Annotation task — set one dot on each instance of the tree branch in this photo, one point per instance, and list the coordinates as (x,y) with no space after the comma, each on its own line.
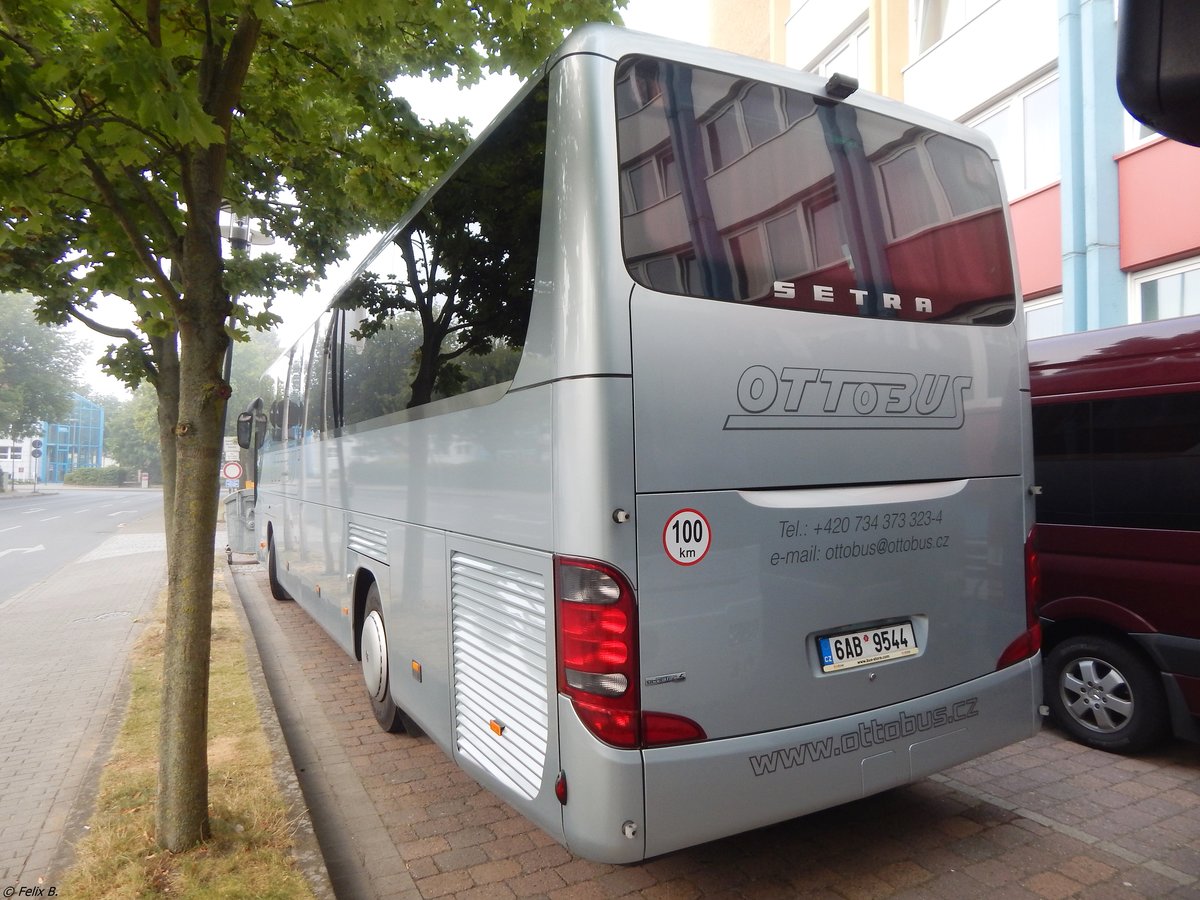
(128,17)
(120,334)
(233,71)
(157,213)
(9,33)
(136,241)
(154,22)
(313,58)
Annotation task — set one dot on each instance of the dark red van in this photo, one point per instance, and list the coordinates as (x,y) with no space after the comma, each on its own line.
(1116,423)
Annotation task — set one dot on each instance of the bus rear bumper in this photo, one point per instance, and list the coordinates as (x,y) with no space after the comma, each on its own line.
(700,792)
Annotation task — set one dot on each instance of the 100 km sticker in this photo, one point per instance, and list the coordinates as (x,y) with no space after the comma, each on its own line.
(687,537)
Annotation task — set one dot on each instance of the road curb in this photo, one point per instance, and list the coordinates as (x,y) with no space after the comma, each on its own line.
(307,849)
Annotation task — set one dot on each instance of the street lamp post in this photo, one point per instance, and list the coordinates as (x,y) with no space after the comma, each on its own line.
(241,236)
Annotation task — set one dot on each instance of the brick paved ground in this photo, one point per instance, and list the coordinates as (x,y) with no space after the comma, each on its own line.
(1044,819)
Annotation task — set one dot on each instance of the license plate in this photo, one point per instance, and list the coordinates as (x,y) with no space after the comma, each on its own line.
(867,647)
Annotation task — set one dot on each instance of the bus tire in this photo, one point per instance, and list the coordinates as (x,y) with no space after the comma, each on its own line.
(277,589)
(373,643)
(1105,695)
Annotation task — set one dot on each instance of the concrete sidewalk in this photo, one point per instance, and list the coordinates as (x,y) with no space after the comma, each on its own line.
(1045,818)
(66,644)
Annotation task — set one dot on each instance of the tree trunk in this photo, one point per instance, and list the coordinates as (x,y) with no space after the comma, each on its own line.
(182,809)
(166,386)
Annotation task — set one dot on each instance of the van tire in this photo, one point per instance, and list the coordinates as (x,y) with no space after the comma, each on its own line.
(1105,695)
(375,669)
(277,590)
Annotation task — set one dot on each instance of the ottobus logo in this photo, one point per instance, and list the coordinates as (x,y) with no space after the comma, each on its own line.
(847,398)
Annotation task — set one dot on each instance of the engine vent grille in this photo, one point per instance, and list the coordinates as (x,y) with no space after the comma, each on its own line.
(501,703)
(369,542)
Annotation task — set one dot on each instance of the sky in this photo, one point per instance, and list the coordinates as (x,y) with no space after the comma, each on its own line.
(685,20)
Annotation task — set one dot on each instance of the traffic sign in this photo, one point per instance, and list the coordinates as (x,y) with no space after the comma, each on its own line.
(232,470)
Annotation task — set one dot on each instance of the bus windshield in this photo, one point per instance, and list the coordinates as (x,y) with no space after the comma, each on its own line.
(737,190)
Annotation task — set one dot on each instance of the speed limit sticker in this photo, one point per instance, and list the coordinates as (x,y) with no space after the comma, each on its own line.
(686,537)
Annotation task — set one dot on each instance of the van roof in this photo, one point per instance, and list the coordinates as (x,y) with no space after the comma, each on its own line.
(1148,354)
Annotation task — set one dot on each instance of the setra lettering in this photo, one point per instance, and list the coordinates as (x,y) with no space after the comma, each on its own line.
(827,293)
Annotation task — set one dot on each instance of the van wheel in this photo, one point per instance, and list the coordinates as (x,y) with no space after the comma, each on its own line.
(373,641)
(1105,695)
(277,590)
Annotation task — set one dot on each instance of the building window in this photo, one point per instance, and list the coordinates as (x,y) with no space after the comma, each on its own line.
(1137,133)
(1166,292)
(1044,317)
(639,87)
(851,57)
(749,264)
(653,181)
(724,139)
(758,114)
(1024,128)
(910,206)
(934,20)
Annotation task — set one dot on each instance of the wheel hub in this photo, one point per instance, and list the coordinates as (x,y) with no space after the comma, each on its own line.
(1097,695)
(374,656)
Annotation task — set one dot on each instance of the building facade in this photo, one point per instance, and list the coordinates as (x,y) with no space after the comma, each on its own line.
(77,443)
(1104,211)
(16,461)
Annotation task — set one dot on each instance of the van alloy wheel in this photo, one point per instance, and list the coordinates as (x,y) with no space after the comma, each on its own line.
(1105,695)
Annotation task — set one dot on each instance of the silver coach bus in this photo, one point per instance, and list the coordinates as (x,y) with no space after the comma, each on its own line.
(669,464)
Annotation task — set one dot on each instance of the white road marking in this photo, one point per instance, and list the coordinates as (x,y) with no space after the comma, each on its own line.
(25,550)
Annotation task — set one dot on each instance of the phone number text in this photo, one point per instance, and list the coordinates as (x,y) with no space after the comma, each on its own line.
(861,524)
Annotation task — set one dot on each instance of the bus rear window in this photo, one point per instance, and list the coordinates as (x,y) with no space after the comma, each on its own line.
(748,192)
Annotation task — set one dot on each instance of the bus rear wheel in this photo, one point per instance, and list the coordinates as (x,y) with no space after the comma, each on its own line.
(1105,695)
(373,641)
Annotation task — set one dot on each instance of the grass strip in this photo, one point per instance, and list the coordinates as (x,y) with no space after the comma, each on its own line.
(250,851)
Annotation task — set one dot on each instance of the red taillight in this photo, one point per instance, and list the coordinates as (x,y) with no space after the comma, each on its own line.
(1033,578)
(597,659)
(597,649)
(662,729)
(1029,642)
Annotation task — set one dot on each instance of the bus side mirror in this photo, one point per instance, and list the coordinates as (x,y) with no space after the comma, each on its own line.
(1158,65)
(251,428)
(245,429)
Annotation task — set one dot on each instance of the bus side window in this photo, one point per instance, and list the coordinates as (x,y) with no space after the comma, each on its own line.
(296,381)
(316,393)
(275,417)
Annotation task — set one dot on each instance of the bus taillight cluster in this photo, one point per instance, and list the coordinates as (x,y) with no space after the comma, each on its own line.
(597,659)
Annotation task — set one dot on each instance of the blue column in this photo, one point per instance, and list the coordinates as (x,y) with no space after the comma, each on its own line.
(1094,292)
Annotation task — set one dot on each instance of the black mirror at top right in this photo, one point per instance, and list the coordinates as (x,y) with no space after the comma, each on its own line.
(1158,65)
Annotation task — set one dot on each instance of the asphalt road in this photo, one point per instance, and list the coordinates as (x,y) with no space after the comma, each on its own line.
(80,571)
(42,532)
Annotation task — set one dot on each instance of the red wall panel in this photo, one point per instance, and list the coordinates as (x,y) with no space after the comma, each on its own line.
(1159,185)
(1037,233)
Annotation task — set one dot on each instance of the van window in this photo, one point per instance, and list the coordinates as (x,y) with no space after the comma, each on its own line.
(1129,462)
